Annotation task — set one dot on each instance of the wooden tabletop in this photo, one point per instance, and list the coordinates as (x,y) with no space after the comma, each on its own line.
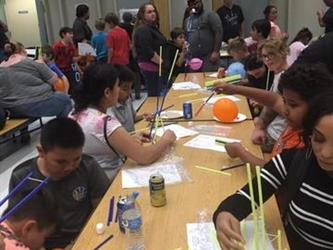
(165,227)
(12,124)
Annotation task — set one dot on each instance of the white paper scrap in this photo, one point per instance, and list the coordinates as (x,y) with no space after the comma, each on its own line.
(139,177)
(86,49)
(208,142)
(185,86)
(213,75)
(179,131)
(201,236)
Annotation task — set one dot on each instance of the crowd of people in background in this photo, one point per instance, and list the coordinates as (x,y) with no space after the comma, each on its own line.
(83,149)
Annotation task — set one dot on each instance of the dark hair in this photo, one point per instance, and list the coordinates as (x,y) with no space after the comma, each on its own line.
(127,17)
(304,33)
(48,51)
(319,107)
(268,9)
(262,26)
(41,207)
(9,49)
(253,62)
(100,24)
(308,80)
(63,133)
(96,78)
(81,10)
(176,32)
(111,18)
(125,74)
(65,30)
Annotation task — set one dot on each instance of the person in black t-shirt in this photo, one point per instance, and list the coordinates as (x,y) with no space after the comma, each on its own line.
(76,181)
(326,20)
(232,19)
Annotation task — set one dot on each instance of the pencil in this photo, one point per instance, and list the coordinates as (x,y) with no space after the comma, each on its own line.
(233,166)
(103,242)
(202,105)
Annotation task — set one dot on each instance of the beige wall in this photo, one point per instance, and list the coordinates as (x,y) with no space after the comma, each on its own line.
(22,21)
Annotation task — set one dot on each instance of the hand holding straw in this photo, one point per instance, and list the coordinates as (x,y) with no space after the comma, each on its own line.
(261,208)
(201,107)
(103,242)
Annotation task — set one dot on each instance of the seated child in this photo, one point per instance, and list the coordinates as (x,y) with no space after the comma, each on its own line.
(307,174)
(98,40)
(62,84)
(30,224)
(76,182)
(299,84)
(124,110)
(260,32)
(237,49)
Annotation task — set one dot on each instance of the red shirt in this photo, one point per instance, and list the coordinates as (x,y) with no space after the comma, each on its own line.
(119,42)
(63,55)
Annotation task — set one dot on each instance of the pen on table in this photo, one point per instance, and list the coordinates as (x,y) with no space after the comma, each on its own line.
(103,242)
(202,105)
(233,166)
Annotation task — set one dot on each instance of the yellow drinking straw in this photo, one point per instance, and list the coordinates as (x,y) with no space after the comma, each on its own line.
(173,65)
(253,207)
(213,170)
(261,207)
(279,240)
(188,95)
(160,64)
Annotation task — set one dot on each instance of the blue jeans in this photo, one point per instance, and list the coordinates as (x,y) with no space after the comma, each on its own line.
(156,86)
(57,104)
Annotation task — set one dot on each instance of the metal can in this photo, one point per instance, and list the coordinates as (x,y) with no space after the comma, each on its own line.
(122,206)
(187,110)
(157,190)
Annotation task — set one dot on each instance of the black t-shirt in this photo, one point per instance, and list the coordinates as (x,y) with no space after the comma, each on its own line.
(74,195)
(170,51)
(232,20)
(262,81)
(328,20)
(128,27)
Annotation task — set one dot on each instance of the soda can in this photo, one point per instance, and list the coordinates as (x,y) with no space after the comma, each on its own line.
(122,206)
(187,110)
(157,190)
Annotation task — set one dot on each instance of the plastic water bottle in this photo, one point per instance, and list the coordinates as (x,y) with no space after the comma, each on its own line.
(132,221)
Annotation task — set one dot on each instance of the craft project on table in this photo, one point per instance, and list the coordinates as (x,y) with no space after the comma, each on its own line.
(209,142)
(179,131)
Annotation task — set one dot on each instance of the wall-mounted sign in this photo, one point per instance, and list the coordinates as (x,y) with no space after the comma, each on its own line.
(23,12)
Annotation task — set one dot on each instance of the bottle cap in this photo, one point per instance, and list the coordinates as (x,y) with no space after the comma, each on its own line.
(100,228)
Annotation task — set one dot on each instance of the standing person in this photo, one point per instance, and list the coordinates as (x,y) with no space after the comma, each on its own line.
(232,19)
(127,24)
(3,39)
(326,19)
(98,40)
(260,31)
(81,29)
(204,34)
(271,14)
(147,42)
(118,42)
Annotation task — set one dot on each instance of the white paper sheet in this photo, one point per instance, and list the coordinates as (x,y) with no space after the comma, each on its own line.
(179,131)
(201,236)
(219,97)
(86,49)
(139,177)
(208,142)
(213,75)
(185,86)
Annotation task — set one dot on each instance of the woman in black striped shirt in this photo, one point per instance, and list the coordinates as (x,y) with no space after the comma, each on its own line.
(308,174)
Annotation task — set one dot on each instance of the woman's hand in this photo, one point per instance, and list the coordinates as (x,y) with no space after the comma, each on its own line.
(220,87)
(228,232)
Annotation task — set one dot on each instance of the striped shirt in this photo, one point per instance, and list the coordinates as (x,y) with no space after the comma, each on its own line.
(310,212)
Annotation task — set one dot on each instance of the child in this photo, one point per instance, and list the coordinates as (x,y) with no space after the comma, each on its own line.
(76,182)
(64,56)
(30,224)
(177,42)
(107,140)
(308,175)
(98,40)
(124,110)
(260,30)
(237,49)
(300,42)
(62,84)
(299,84)
(118,42)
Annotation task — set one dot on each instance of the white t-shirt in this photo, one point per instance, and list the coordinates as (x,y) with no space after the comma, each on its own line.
(92,123)
(278,125)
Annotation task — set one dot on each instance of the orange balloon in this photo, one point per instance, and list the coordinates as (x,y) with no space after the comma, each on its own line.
(59,85)
(225,110)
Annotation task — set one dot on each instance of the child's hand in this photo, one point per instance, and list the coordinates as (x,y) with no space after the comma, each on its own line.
(234,149)
(220,87)
(169,136)
(144,137)
(148,117)
(221,72)
(228,232)
(259,136)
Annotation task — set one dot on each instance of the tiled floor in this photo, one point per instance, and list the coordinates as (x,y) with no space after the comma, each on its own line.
(29,151)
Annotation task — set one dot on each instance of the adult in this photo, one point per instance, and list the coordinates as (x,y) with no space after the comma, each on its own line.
(3,39)
(232,19)
(326,19)
(106,140)
(271,14)
(26,88)
(81,29)
(260,30)
(204,34)
(147,42)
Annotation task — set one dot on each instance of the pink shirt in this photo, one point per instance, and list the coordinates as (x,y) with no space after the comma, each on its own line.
(11,241)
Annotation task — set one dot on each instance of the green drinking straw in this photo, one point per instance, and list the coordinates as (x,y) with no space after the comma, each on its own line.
(249,177)
(279,240)
(261,207)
